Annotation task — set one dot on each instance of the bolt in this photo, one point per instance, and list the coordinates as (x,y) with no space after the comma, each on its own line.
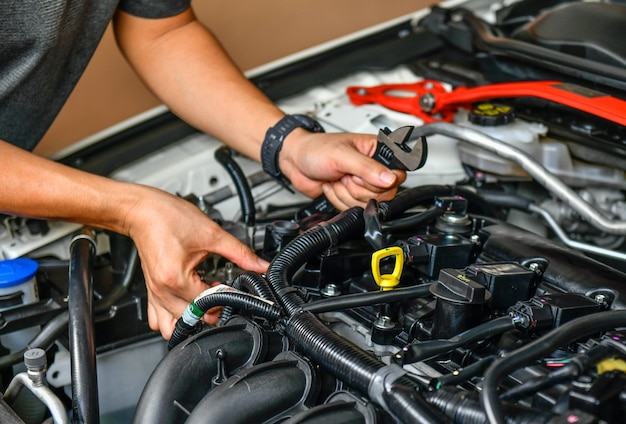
(229,269)
(427,102)
(600,298)
(331,290)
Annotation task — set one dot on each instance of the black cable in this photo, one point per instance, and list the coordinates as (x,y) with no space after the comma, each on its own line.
(246,302)
(357,300)
(82,344)
(567,333)
(464,374)
(422,351)
(571,370)
(250,282)
(243,301)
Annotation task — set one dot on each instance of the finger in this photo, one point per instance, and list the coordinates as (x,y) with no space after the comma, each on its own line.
(368,170)
(211,316)
(348,191)
(234,250)
(166,307)
(332,193)
(400,178)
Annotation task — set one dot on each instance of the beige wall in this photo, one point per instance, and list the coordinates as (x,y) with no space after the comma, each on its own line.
(253,31)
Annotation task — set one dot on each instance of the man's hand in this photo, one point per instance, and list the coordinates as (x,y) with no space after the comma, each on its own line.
(338,165)
(173,236)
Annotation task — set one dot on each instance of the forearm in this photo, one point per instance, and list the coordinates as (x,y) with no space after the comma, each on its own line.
(36,187)
(185,66)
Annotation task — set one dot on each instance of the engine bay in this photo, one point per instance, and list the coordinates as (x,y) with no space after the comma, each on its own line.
(490,289)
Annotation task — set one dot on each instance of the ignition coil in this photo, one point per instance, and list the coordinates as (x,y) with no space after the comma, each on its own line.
(543,313)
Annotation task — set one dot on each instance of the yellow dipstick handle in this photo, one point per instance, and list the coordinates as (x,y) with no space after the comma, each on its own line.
(387,281)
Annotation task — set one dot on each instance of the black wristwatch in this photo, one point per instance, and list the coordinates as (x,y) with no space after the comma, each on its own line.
(273,142)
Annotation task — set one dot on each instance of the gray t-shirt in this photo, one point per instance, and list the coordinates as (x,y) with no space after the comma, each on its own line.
(45,46)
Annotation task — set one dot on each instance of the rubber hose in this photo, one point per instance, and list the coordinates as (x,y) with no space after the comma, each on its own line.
(567,333)
(416,196)
(250,282)
(463,407)
(506,200)
(285,264)
(422,351)
(413,220)
(348,362)
(409,406)
(358,300)
(411,197)
(243,301)
(82,344)
(224,156)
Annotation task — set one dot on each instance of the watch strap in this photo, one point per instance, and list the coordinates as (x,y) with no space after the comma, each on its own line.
(273,142)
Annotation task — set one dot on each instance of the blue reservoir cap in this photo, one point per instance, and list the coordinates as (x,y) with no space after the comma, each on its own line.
(17,271)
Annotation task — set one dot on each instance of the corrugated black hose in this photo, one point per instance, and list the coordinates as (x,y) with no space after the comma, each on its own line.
(250,282)
(340,357)
(187,324)
(342,227)
(463,407)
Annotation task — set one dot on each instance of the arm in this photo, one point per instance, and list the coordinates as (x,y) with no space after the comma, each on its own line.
(171,234)
(185,66)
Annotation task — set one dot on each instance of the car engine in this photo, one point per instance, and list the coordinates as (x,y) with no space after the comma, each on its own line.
(491,288)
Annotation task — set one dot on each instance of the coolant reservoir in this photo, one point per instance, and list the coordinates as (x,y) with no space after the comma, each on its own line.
(18,287)
(498,121)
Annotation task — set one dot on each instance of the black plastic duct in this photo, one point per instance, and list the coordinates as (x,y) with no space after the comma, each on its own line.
(337,412)
(184,376)
(268,391)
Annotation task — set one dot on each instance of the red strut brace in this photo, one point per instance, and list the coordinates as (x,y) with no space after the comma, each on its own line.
(430,101)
